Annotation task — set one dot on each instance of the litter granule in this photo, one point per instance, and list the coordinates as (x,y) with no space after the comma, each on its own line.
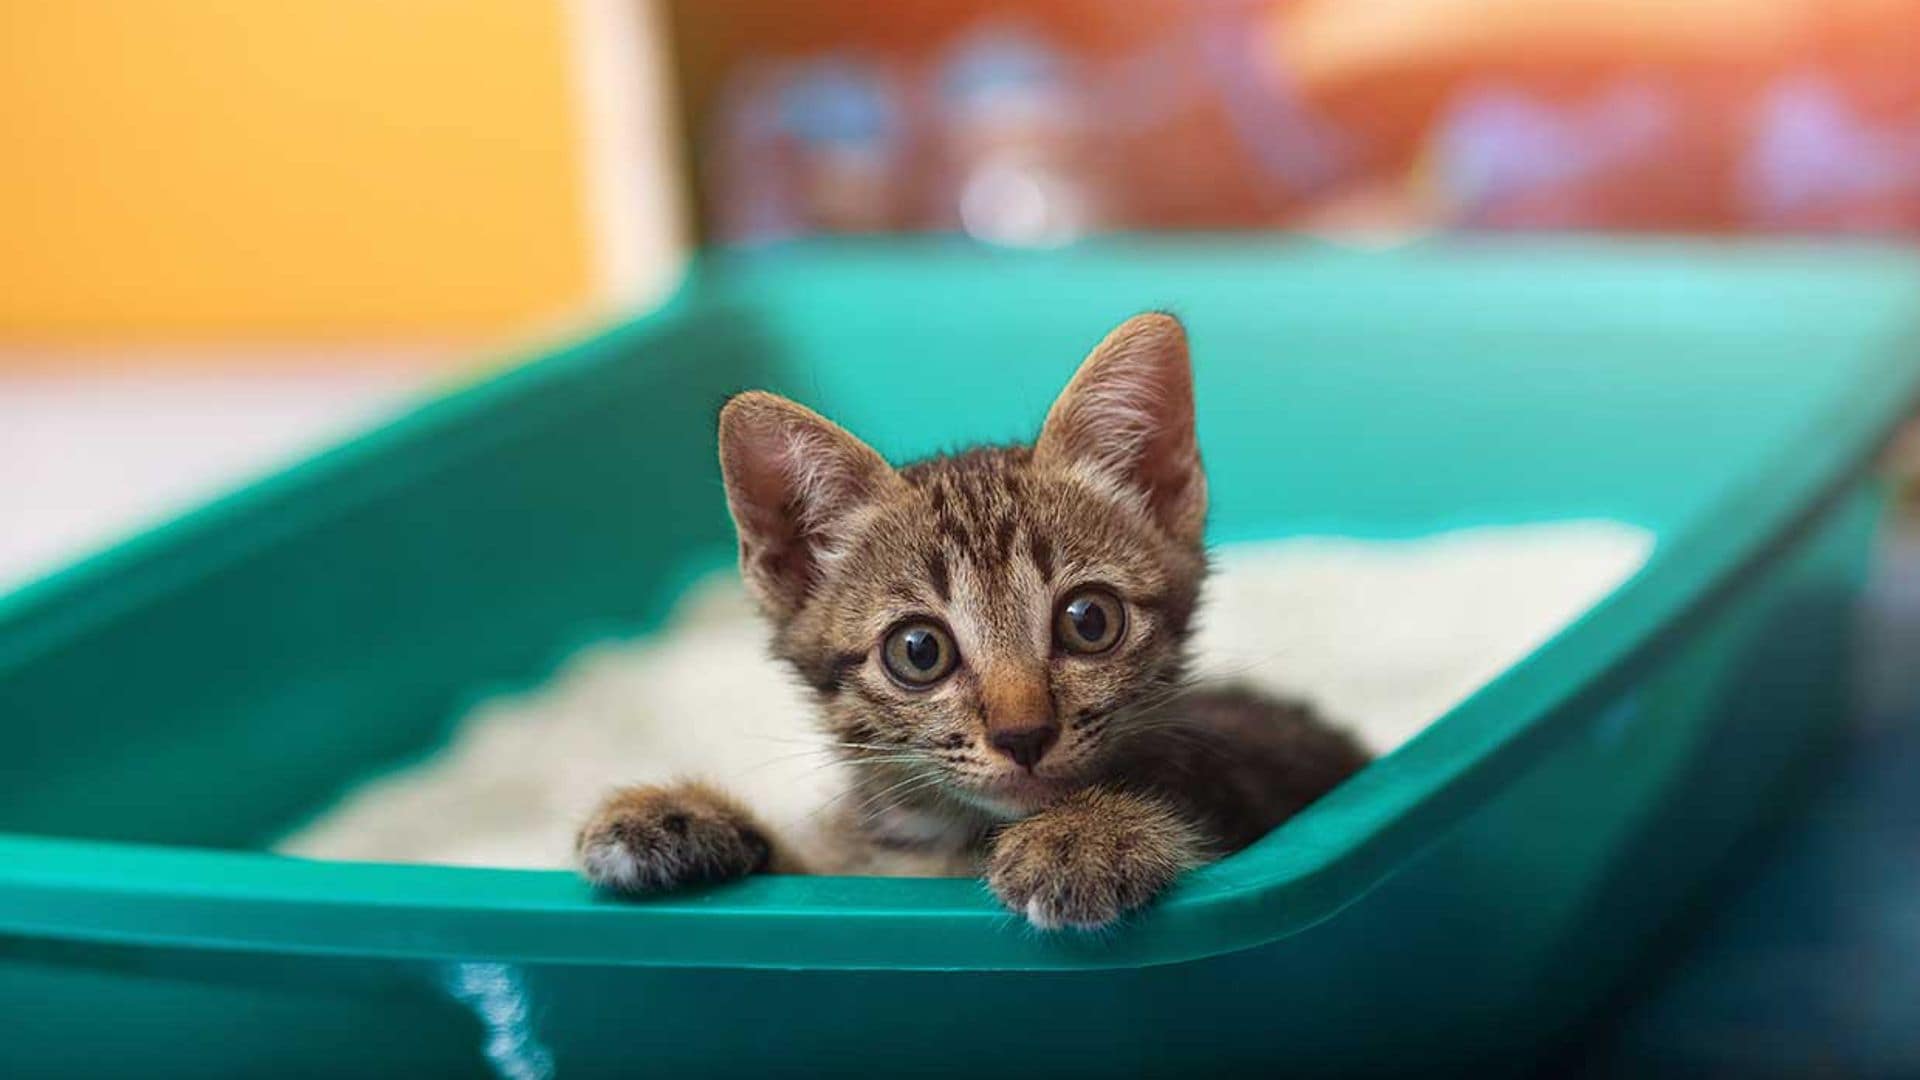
(1383,636)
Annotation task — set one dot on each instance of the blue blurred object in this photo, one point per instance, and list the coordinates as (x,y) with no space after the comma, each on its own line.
(1815,164)
(1277,128)
(1015,166)
(1505,156)
(821,144)
(998,63)
(840,101)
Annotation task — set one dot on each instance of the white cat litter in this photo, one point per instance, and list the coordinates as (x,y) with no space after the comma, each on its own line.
(1383,636)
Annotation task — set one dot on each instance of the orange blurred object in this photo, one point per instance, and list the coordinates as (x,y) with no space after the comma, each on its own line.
(1332,45)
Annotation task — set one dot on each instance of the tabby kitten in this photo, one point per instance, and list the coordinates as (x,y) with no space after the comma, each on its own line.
(996,643)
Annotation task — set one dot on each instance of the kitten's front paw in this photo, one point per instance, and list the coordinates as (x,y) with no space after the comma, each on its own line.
(1089,860)
(654,839)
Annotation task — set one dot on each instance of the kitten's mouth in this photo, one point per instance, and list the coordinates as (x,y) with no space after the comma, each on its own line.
(1024,792)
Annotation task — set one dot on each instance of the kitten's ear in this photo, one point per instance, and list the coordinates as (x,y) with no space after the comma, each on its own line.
(794,481)
(1128,417)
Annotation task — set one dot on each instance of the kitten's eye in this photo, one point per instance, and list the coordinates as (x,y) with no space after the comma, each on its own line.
(918,654)
(1090,621)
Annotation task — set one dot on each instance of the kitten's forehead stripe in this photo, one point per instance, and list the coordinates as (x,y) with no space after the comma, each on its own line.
(1003,535)
(938,575)
(1040,549)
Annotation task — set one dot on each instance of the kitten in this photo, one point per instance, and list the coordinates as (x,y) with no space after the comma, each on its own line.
(996,641)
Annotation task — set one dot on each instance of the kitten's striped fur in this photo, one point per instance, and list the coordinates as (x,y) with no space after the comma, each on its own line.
(1139,775)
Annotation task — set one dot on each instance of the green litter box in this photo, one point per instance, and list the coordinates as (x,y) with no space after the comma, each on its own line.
(172,706)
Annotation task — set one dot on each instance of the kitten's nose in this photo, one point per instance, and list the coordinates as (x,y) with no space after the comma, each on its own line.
(1026,745)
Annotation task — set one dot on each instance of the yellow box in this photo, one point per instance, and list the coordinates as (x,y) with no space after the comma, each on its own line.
(186,169)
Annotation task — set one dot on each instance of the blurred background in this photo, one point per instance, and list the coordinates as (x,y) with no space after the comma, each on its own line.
(231,232)
(234,231)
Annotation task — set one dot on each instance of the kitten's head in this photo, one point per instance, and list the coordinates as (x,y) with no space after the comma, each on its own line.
(987,624)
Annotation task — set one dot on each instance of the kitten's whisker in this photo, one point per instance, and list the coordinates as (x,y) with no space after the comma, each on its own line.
(854,788)
(900,798)
(832,744)
(1235,669)
(1187,685)
(917,778)
(1191,737)
(1153,701)
(816,751)
(822,765)
(860,809)
(832,757)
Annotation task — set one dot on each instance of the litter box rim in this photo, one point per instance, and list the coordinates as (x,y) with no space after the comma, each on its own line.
(1303,873)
